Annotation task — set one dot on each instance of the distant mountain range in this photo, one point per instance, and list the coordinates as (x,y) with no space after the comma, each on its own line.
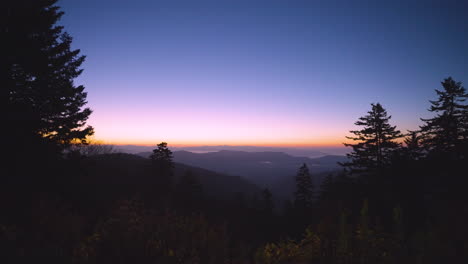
(311,152)
(268,169)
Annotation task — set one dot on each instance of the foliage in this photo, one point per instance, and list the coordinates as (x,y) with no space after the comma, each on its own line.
(303,196)
(413,149)
(306,250)
(376,142)
(43,103)
(133,234)
(447,131)
(162,158)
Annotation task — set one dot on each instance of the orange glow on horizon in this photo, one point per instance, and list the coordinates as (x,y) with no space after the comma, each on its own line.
(292,144)
(200,127)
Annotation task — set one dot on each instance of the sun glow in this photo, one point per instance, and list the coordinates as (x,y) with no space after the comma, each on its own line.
(195,129)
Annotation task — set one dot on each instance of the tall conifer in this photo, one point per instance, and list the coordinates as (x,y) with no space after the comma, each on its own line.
(303,197)
(375,142)
(448,130)
(43,103)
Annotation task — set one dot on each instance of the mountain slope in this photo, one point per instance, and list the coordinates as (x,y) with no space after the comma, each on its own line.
(262,168)
(311,152)
(129,172)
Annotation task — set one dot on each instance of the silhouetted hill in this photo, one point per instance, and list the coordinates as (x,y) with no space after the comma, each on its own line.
(218,184)
(262,168)
(297,152)
(127,172)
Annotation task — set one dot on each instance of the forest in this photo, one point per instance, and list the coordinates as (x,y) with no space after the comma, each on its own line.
(399,197)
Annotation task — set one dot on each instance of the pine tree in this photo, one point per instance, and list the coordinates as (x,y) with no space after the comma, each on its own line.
(163,166)
(448,130)
(326,188)
(44,106)
(412,148)
(376,142)
(162,158)
(303,197)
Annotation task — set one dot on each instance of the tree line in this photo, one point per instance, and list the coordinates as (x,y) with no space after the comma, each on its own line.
(399,199)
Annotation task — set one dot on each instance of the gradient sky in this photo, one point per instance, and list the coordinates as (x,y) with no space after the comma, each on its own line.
(261,72)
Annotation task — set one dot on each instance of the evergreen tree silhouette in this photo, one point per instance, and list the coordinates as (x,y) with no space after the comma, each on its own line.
(164,166)
(412,148)
(162,158)
(44,106)
(326,188)
(303,196)
(447,131)
(376,142)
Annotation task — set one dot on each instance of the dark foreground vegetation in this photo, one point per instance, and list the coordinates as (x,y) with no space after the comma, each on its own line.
(394,202)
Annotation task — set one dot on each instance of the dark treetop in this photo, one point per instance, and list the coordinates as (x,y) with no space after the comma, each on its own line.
(43,103)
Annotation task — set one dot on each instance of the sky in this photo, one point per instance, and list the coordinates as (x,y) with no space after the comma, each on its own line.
(266,73)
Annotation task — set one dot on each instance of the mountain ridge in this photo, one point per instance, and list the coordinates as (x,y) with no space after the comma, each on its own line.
(133,169)
(265,169)
(311,152)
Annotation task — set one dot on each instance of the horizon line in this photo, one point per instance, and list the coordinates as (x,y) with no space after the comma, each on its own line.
(272,145)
